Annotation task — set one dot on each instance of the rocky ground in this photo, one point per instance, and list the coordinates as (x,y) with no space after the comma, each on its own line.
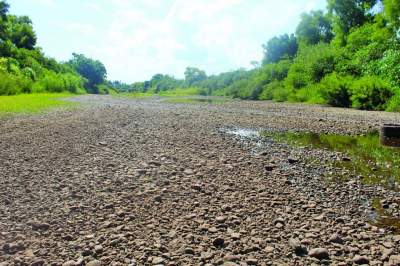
(146,182)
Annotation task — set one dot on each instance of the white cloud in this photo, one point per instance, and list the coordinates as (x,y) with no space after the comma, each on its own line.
(139,38)
(148,37)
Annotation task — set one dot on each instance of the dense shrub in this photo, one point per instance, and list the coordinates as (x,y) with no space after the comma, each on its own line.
(277,71)
(311,65)
(58,82)
(281,94)
(270,89)
(240,89)
(394,103)
(389,67)
(336,90)
(50,82)
(371,93)
(309,94)
(12,84)
(73,83)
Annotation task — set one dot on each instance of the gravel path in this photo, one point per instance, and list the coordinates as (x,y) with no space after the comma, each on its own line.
(145,182)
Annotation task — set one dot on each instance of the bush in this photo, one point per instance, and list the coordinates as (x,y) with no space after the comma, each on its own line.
(12,84)
(268,90)
(394,103)
(309,94)
(102,89)
(371,93)
(336,90)
(57,82)
(50,82)
(73,83)
(311,65)
(239,89)
(389,67)
(281,94)
(277,71)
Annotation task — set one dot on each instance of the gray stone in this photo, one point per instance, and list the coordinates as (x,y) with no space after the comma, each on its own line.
(360,260)
(319,253)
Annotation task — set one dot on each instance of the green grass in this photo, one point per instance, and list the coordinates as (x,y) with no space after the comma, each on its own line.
(32,103)
(134,95)
(377,164)
(181,92)
(178,92)
(197,100)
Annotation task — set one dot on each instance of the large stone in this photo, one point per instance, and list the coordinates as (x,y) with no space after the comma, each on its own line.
(94,263)
(40,226)
(38,262)
(394,260)
(297,248)
(360,260)
(218,242)
(335,238)
(319,253)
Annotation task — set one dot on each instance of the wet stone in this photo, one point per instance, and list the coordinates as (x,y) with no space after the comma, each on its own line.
(218,242)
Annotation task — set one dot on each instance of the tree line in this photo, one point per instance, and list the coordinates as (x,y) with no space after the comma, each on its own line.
(24,68)
(348,56)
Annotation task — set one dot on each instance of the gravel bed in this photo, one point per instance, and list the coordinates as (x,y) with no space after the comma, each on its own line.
(147,182)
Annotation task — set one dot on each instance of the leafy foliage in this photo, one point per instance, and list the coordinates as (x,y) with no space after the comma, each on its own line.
(314,27)
(388,67)
(20,32)
(93,70)
(25,69)
(277,48)
(347,14)
(371,92)
(194,75)
(392,13)
(311,65)
(336,90)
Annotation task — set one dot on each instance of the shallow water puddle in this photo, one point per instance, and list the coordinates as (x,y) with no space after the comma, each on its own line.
(384,217)
(243,132)
(364,155)
(196,100)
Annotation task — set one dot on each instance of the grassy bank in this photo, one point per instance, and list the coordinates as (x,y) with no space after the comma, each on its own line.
(177,92)
(32,103)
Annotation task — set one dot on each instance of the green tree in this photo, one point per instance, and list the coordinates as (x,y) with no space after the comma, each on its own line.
(347,14)
(311,65)
(93,70)
(392,12)
(314,27)
(20,32)
(3,18)
(193,75)
(4,6)
(280,47)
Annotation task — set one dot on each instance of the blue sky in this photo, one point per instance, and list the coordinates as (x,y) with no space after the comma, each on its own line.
(136,39)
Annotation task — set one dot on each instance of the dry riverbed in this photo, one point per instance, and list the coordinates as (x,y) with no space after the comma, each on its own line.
(155,182)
